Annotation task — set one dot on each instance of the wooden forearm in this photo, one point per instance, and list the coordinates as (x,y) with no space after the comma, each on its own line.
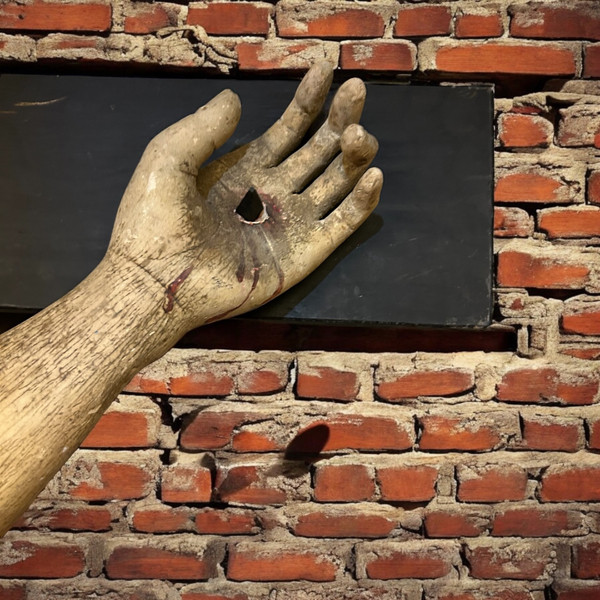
(199,261)
(61,369)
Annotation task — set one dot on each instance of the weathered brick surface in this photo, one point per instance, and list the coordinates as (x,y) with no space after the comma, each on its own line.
(580,20)
(160,519)
(277,54)
(478,23)
(423,20)
(535,185)
(591,65)
(343,483)
(182,558)
(445,382)
(536,522)
(579,126)
(571,483)
(329,20)
(491,483)
(408,483)
(141,18)
(377,55)
(279,562)
(524,131)
(28,557)
(456,522)
(509,57)
(230,18)
(510,221)
(55,16)
(344,523)
(511,561)
(544,267)
(419,560)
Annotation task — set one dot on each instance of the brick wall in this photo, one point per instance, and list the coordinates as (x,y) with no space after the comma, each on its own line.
(222,475)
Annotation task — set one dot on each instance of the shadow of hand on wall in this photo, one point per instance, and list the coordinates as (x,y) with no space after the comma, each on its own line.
(303,451)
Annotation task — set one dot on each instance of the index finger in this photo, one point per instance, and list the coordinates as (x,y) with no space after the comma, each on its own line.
(287,132)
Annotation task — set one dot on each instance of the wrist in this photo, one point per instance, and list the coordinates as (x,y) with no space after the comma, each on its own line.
(133,306)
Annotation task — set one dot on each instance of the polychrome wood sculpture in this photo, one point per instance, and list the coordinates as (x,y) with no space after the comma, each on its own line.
(180,256)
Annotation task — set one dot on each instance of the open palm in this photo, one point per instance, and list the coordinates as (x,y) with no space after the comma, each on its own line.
(183,223)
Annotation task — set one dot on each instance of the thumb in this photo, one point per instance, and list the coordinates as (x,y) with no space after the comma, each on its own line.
(189,142)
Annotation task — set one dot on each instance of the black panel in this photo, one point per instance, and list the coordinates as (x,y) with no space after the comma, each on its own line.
(69,145)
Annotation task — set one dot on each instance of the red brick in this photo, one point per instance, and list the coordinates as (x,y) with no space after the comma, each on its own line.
(524,269)
(455,433)
(273,55)
(262,381)
(132,562)
(251,441)
(528,385)
(210,430)
(531,188)
(512,222)
(47,561)
(327,383)
(534,522)
(505,57)
(225,522)
(577,222)
(586,560)
(55,16)
(408,483)
(343,483)
(378,55)
(509,562)
(577,591)
(161,520)
(581,20)
(278,562)
(446,382)
(335,20)
(524,131)
(579,126)
(230,18)
(180,484)
(141,383)
(425,562)
(591,61)
(571,483)
(482,24)
(322,524)
(201,384)
(148,18)
(585,353)
(354,432)
(491,483)
(594,429)
(593,187)
(82,518)
(117,481)
(453,524)
(538,385)
(64,41)
(582,392)
(423,20)
(12,591)
(245,484)
(122,429)
(552,433)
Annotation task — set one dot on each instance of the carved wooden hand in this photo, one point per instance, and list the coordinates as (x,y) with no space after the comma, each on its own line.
(181,255)
(178,220)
